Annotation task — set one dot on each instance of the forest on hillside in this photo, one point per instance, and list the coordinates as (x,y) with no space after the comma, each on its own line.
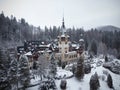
(96,41)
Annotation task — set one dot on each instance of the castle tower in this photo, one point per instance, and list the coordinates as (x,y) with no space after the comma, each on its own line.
(63,42)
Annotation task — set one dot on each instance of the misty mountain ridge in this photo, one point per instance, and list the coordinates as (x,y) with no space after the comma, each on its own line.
(108,28)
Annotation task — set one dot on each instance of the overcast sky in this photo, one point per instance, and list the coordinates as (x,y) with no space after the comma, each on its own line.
(78,13)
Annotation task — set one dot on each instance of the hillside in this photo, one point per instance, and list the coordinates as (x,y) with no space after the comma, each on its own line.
(108,28)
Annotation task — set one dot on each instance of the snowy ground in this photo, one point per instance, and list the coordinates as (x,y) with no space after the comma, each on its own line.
(74,84)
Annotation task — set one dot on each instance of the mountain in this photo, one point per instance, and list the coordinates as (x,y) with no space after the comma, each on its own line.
(108,28)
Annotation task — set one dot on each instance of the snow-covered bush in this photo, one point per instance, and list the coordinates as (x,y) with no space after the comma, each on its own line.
(63,84)
(43,86)
(109,81)
(99,63)
(112,66)
(48,84)
(94,82)
(87,68)
(63,65)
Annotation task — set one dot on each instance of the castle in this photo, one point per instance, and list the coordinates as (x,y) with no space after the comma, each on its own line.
(65,54)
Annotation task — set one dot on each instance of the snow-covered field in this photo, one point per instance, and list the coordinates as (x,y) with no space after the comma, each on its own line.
(74,84)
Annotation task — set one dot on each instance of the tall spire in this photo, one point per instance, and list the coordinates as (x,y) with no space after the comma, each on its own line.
(63,24)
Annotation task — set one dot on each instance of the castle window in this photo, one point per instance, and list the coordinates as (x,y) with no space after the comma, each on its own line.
(65,42)
(62,38)
(70,56)
(66,56)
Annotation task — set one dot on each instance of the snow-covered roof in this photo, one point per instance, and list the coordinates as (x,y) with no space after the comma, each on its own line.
(48,51)
(41,51)
(48,45)
(44,45)
(28,53)
(72,52)
(81,40)
(43,42)
(74,45)
(63,35)
(68,36)
(77,47)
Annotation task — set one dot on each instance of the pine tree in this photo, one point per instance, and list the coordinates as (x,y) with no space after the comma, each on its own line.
(94,47)
(106,59)
(53,68)
(13,71)
(109,81)
(24,70)
(4,66)
(94,82)
(80,68)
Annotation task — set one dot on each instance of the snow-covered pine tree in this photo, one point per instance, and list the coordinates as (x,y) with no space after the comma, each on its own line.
(94,82)
(109,81)
(48,84)
(13,72)
(4,66)
(24,70)
(80,68)
(93,47)
(53,68)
